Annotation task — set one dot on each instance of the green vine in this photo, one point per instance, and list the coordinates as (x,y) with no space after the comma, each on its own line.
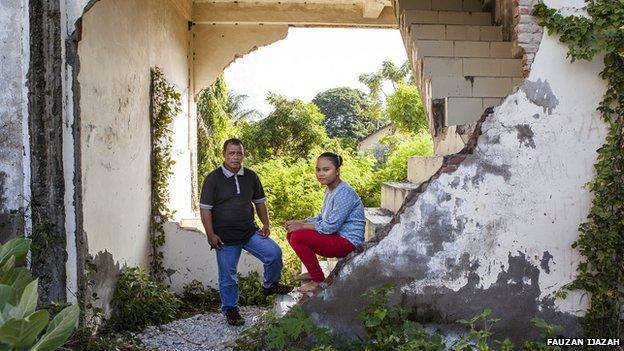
(166,102)
(601,239)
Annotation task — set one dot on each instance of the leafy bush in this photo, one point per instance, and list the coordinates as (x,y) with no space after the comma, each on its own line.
(479,337)
(290,131)
(405,110)
(85,339)
(295,331)
(138,301)
(347,113)
(214,127)
(389,329)
(292,264)
(20,324)
(196,298)
(401,147)
(250,291)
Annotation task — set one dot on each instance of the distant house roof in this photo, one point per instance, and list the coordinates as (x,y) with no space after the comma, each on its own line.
(374,137)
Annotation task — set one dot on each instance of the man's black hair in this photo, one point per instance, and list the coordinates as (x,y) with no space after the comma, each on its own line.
(335,159)
(232,141)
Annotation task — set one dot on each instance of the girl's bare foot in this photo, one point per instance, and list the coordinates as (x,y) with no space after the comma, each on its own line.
(310,287)
(303,277)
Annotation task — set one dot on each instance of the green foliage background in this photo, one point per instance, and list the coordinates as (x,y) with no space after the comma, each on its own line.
(405,110)
(348,113)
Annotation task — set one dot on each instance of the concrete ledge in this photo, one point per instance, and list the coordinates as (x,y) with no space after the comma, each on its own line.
(394,193)
(375,217)
(187,257)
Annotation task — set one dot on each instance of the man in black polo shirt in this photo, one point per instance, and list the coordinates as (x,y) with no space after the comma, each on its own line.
(227,214)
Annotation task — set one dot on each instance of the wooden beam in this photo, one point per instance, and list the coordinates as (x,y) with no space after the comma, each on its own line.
(293,14)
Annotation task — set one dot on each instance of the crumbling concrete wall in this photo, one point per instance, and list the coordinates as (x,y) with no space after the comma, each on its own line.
(187,257)
(14,158)
(121,41)
(494,228)
(215,46)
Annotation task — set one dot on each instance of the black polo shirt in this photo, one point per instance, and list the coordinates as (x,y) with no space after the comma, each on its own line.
(230,198)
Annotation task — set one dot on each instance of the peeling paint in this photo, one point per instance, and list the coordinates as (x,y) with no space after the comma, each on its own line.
(103,277)
(546,257)
(455,183)
(525,135)
(3,177)
(540,93)
(483,168)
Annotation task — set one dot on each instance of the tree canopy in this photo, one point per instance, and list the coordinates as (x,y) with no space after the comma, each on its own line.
(348,113)
(291,130)
(405,110)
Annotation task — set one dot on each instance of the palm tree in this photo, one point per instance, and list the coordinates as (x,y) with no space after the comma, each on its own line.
(235,108)
(374,83)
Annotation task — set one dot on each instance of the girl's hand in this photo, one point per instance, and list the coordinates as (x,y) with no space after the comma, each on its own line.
(291,226)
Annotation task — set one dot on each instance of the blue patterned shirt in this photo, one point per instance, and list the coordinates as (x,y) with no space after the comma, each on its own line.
(342,213)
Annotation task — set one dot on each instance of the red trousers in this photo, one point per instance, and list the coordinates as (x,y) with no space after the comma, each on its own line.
(308,243)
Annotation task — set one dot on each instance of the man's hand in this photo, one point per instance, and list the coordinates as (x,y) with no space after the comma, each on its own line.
(265,231)
(215,241)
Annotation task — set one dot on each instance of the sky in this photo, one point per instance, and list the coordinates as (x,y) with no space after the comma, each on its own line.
(312,60)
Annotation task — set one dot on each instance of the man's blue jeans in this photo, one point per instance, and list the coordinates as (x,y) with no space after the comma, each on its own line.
(264,249)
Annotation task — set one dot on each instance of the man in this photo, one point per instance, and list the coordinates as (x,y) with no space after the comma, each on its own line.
(227,214)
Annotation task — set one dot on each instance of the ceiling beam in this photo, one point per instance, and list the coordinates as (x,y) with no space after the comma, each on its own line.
(184,7)
(295,14)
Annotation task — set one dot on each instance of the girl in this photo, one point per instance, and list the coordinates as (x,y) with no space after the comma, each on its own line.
(336,231)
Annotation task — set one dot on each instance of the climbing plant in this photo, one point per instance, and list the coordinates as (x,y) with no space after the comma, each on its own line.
(601,239)
(166,102)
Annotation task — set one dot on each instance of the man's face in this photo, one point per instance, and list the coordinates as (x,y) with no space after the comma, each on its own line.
(233,157)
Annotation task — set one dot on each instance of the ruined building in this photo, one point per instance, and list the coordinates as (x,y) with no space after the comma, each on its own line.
(490,227)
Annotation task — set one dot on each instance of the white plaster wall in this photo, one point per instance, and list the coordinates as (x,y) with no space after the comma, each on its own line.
(14,165)
(188,257)
(522,192)
(121,41)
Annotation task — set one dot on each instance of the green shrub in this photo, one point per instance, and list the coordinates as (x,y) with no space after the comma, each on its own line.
(479,333)
(85,339)
(295,331)
(21,325)
(401,146)
(390,330)
(196,298)
(292,264)
(405,110)
(138,301)
(250,291)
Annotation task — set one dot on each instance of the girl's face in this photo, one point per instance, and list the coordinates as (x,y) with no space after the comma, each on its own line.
(326,172)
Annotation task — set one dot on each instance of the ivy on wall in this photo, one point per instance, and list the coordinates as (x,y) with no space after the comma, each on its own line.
(601,239)
(165,105)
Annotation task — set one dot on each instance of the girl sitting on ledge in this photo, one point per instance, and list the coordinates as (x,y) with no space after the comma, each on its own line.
(336,231)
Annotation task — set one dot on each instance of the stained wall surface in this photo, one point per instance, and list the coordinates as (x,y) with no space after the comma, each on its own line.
(14,179)
(497,232)
(121,41)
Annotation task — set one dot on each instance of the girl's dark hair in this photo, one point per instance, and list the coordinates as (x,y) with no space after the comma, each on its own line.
(335,159)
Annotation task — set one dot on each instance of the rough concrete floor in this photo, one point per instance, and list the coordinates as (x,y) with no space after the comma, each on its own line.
(199,333)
